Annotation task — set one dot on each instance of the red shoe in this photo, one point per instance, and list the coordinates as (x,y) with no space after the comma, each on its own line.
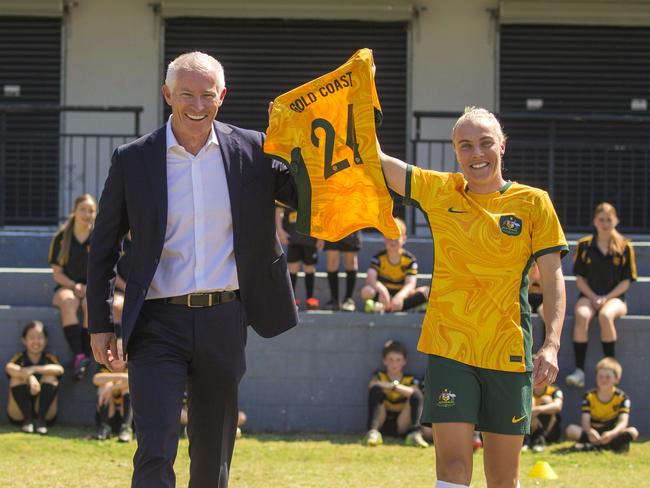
(312,303)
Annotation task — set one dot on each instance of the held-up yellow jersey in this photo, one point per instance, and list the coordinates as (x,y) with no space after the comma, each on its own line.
(478,311)
(324,131)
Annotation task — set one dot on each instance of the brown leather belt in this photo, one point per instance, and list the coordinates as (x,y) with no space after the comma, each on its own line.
(198,300)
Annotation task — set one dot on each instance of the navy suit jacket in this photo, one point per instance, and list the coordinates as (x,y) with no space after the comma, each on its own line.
(135,198)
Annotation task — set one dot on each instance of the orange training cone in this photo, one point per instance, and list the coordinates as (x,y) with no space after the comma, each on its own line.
(543,470)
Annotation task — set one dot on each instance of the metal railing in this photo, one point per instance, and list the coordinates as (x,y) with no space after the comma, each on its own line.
(580,159)
(44,167)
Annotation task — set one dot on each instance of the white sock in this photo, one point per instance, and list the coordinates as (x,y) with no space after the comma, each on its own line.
(518,485)
(447,484)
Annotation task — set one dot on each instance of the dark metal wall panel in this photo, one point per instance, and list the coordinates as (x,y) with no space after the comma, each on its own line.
(30,56)
(574,68)
(582,161)
(265,58)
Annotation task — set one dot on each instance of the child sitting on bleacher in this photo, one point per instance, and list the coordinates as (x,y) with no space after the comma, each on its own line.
(391,278)
(33,382)
(395,400)
(605,413)
(301,250)
(68,256)
(545,418)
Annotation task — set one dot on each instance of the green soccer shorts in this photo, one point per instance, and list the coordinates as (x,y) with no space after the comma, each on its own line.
(494,401)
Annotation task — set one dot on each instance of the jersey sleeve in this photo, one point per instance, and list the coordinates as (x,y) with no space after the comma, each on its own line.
(422,186)
(625,405)
(547,234)
(412,267)
(580,260)
(52,358)
(55,248)
(586,403)
(278,143)
(557,394)
(629,266)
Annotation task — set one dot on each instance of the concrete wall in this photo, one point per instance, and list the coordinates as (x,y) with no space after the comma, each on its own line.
(314,378)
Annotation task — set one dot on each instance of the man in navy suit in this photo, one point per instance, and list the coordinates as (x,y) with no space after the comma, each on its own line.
(198,197)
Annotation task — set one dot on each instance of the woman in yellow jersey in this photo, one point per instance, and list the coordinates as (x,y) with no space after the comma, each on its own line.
(486,234)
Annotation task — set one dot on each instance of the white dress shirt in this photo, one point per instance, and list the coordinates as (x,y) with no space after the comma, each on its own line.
(198,253)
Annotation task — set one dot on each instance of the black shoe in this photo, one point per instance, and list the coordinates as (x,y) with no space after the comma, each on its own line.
(332,305)
(103,432)
(81,368)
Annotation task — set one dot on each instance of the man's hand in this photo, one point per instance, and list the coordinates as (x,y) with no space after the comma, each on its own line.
(102,343)
(545,366)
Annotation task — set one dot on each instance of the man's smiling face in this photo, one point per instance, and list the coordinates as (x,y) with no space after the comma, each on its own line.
(195,98)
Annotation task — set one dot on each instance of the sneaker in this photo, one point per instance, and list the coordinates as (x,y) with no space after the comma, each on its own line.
(538,444)
(81,363)
(477,441)
(312,303)
(584,447)
(348,305)
(371,306)
(125,434)
(415,439)
(373,438)
(238,434)
(577,378)
(103,432)
(28,428)
(525,448)
(41,428)
(333,306)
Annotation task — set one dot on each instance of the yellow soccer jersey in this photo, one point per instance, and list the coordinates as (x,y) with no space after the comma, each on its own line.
(392,276)
(478,311)
(551,391)
(394,401)
(324,131)
(604,415)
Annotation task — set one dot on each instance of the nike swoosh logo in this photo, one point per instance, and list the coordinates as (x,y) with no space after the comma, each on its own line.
(516,420)
(453,210)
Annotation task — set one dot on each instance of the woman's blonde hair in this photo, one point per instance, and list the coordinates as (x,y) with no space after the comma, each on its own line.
(476,113)
(68,227)
(617,242)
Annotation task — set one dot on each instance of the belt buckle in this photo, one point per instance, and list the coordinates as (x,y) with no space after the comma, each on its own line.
(189,300)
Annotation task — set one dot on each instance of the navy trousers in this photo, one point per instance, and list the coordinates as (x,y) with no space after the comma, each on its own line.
(174,347)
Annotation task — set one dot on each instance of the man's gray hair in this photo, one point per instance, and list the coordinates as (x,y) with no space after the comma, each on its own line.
(195,61)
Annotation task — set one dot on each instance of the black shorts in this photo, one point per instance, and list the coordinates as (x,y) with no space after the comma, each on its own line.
(351,243)
(390,424)
(535,300)
(301,253)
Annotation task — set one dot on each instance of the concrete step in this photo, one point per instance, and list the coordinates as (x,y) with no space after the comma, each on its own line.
(314,377)
(28,248)
(35,286)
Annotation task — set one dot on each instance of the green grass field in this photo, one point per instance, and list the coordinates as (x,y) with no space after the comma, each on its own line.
(69,458)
